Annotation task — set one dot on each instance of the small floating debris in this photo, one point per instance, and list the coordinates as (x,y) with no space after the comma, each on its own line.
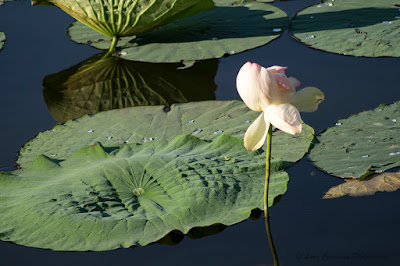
(214,39)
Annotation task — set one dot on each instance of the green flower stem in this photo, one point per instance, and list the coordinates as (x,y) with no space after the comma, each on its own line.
(267,173)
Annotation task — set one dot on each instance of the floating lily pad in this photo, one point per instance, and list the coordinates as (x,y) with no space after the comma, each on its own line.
(2,39)
(362,144)
(358,27)
(101,198)
(127,17)
(101,84)
(226,29)
(205,120)
(386,182)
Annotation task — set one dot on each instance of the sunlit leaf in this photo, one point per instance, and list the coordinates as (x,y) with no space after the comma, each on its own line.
(106,198)
(111,83)
(358,27)
(230,28)
(2,39)
(386,182)
(128,17)
(205,120)
(362,144)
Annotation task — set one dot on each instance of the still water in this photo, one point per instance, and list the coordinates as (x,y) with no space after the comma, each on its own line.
(307,230)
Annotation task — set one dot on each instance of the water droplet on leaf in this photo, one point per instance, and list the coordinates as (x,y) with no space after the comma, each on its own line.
(90,131)
(191,121)
(365,156)
(218,132)
(325,4)
(197,131)
(310,37)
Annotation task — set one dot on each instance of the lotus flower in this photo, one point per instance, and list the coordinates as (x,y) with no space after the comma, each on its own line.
(269,90)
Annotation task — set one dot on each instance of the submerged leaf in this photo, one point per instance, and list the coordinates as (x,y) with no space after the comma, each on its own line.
(361,144)
(388,182)
(101,84)
(102,199)
(205,120)
(128,17)
(368,28)
(231,27)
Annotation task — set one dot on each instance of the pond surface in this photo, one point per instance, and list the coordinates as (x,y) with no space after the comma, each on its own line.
(307,230)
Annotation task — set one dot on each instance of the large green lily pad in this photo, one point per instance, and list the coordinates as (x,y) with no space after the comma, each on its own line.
(361,144)
(101,198)
(128,17)
(368,28)
(2,39)
(101,84)
(205,120)
(229,28)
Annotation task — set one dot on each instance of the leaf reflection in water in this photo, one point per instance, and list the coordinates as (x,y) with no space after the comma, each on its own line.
(97,84)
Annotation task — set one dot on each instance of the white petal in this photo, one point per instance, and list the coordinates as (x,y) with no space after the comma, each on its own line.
(307,99)
(256,133)
(285,117)
(248,85)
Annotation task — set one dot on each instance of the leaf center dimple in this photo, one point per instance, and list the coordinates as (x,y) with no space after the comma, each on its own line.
(138,191)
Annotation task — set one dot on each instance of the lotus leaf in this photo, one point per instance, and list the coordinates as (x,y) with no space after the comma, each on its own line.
(231,27)
(102,198)
(205,120)
(361,144)
(388,182)
(2,39)
(358,27)
(111,83)
(128,17)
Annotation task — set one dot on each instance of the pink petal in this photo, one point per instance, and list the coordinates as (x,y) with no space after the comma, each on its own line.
(256,133)
(277,69)
(285,117)
(295,82)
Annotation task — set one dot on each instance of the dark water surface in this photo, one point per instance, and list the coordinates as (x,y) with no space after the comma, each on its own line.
(307,230)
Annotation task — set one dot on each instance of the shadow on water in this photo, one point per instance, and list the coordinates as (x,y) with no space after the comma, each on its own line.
(175,237)
(344,19)
(96,85)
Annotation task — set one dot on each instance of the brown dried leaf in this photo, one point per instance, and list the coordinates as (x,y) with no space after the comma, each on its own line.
(380,182)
